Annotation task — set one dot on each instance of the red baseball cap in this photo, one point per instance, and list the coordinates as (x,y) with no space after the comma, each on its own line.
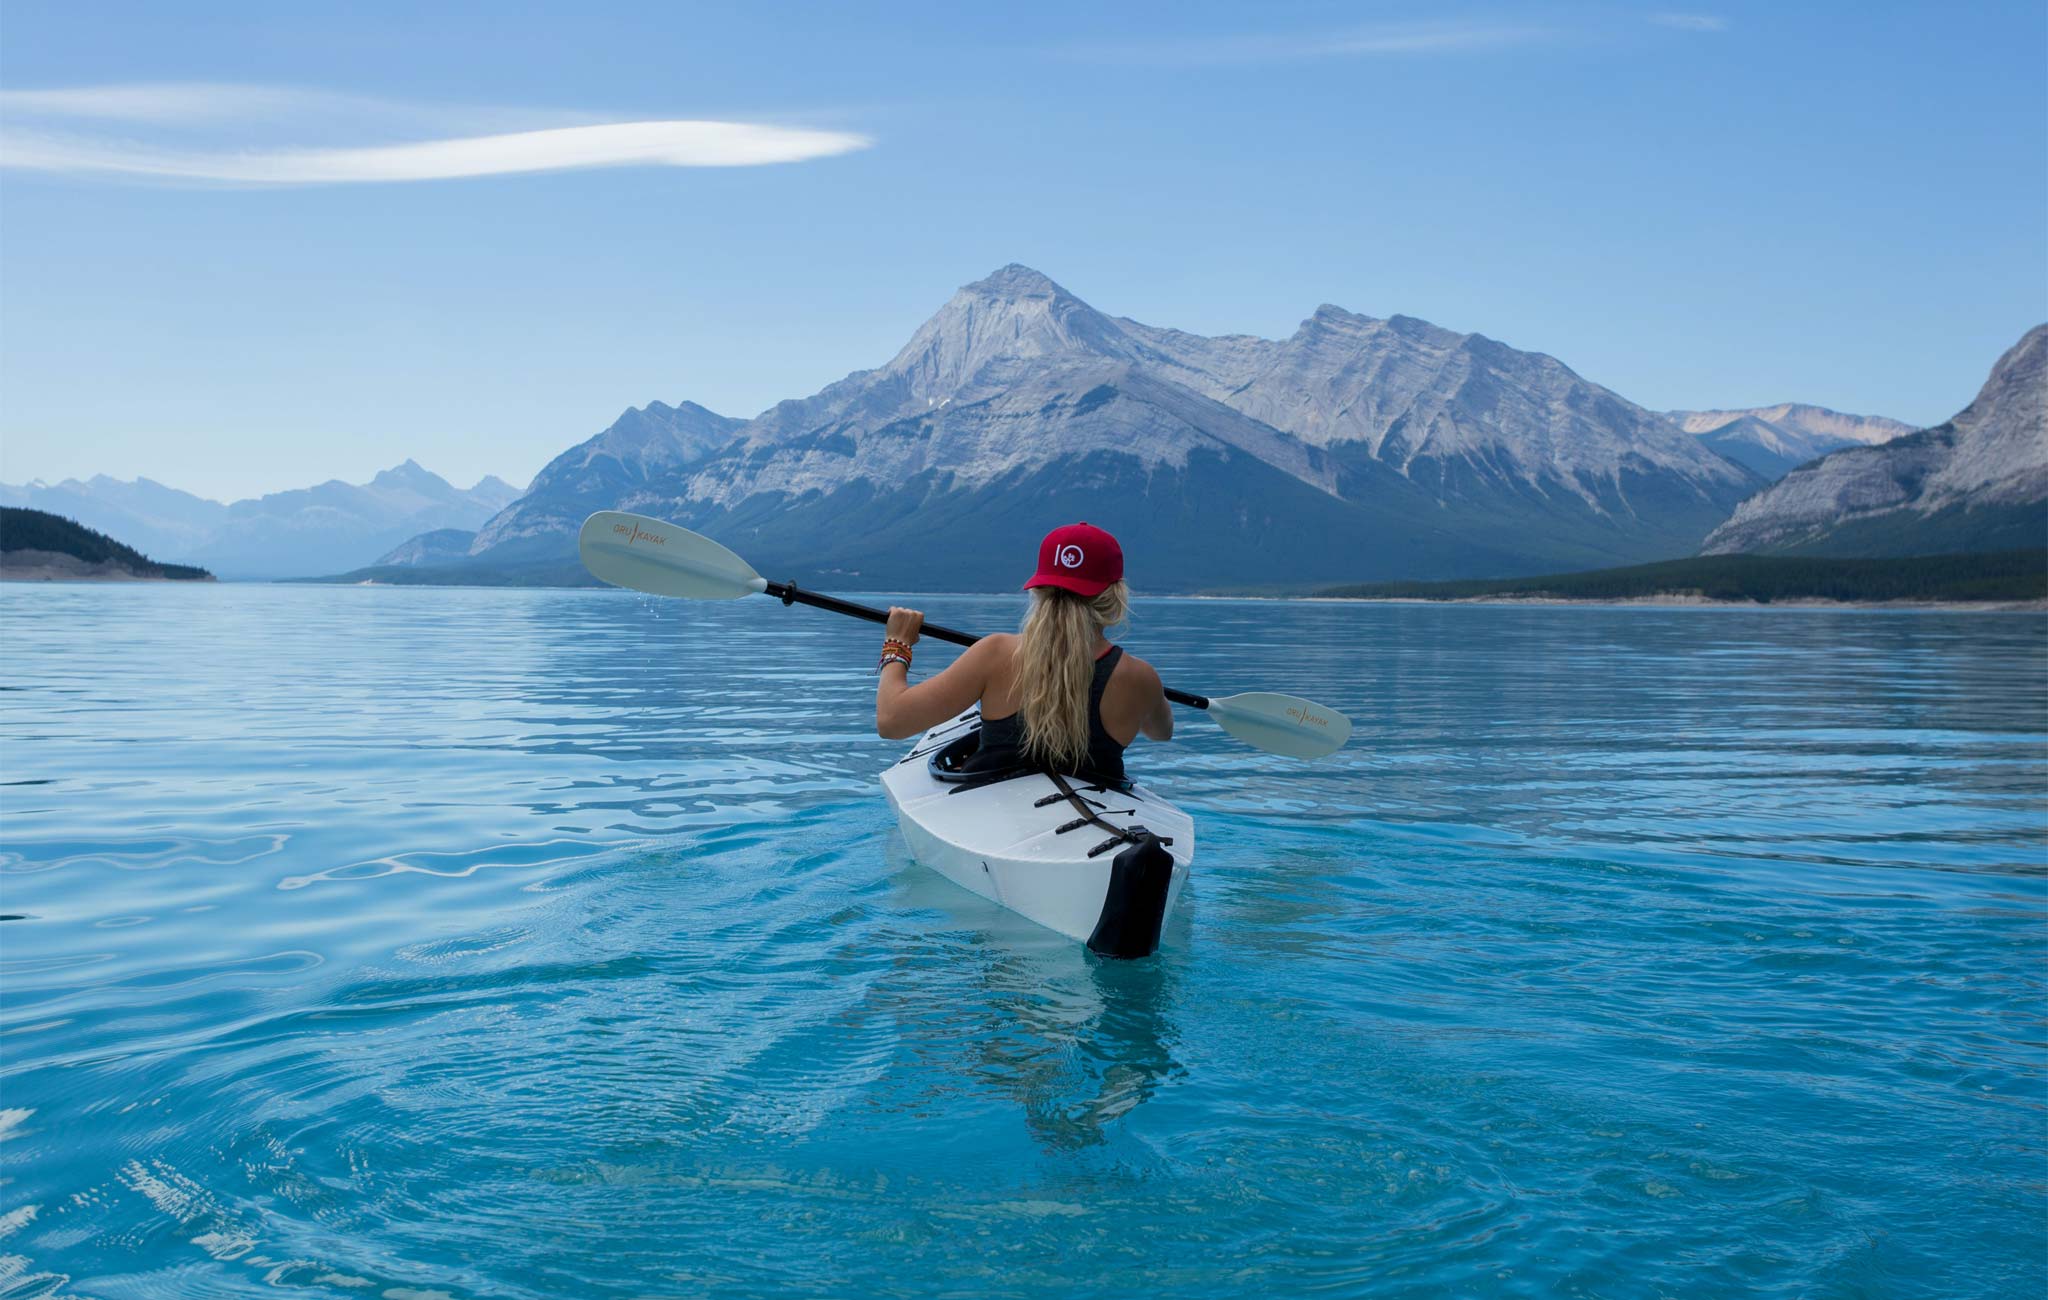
(1079,557)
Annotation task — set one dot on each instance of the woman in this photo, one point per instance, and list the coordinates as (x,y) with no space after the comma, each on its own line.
(1056,694)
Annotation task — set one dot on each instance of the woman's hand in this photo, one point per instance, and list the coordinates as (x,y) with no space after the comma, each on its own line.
(904,624)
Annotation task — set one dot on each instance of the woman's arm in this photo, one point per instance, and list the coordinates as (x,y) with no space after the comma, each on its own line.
(903,710)
(1157,723)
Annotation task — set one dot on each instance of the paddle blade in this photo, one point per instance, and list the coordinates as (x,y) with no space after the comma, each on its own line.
(662,559)
(1282,724)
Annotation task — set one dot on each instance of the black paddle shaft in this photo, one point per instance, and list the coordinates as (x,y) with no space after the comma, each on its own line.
(791,594)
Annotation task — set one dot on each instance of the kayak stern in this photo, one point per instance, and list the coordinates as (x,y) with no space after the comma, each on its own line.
(1019,844)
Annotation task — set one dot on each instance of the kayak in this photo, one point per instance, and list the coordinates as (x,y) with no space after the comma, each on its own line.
(1100,863)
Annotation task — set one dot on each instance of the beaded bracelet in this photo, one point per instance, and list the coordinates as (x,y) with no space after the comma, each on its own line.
(888,659)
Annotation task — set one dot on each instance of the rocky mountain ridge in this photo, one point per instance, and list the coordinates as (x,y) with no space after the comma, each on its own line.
(1773,440)
(645,445)
(1355,446)
(1976,482)
(1799,417)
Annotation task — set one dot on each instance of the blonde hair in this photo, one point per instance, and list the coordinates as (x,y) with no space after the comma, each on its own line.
(1056,663)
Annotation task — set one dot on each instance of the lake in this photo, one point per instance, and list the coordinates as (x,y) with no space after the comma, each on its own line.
(458,943)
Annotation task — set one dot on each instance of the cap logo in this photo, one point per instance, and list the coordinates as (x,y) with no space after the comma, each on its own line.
(1068,556)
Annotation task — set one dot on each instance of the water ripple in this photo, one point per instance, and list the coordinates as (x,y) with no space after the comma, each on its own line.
(519,944)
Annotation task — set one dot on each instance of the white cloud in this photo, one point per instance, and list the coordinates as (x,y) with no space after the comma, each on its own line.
(1691,22)
(617,144)
(241,135)
(1353,42)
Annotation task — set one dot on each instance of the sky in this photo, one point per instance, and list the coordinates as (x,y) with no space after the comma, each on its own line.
(248,247)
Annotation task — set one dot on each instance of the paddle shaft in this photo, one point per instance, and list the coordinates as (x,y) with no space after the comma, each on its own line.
(791,594)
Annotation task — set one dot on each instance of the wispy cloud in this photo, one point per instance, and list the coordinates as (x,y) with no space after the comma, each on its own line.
(256,135)
(1384,39)
(617,144)
(1691,22)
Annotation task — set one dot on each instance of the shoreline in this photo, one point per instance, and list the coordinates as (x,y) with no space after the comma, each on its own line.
(54,566)
(44,577)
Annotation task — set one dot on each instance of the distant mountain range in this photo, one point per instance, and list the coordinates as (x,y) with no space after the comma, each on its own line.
(1977,483)
(1356,448)
(320,529)
(1774,440)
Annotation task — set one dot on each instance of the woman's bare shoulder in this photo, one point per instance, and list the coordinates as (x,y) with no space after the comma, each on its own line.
(994,653)
(1141,672)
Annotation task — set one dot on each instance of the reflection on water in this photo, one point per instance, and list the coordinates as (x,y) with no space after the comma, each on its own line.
(1076,1041)
(387,942)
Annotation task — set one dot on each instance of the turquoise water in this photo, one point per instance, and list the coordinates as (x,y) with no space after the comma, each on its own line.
(409,943)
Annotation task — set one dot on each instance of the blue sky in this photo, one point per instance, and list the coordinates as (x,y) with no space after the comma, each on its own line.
(204,278)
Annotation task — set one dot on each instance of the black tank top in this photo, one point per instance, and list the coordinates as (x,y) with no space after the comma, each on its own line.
(1002,739)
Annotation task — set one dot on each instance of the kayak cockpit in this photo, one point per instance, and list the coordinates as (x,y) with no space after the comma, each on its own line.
(950,763)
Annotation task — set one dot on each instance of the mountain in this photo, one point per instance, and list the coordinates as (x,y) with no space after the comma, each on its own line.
(1774,440)
(157,519)
(1355,447)
(441,546)
(646,445)
(320,529)
(336,525)
(1976,483)
(1802,418)
(37,546)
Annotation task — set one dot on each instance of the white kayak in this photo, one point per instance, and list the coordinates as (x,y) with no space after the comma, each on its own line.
(1101,864)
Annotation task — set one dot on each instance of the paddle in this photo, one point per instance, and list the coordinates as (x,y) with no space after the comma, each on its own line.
(664,559)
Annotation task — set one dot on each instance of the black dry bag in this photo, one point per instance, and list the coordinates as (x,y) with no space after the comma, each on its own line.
(1136,902)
